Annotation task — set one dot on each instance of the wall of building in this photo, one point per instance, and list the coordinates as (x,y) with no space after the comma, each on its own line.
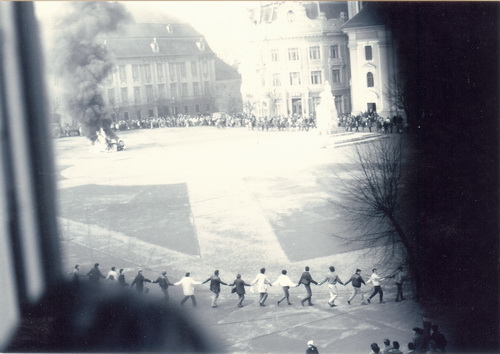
(291,58)
(371,73)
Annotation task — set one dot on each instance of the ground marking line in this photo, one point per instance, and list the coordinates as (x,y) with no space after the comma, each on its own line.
(294,326)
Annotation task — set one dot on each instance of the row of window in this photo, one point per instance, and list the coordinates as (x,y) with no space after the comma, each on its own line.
(176,91)
(314,53)
(316,78)
(175,70)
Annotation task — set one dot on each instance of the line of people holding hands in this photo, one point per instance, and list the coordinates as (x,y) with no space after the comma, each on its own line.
(261,281)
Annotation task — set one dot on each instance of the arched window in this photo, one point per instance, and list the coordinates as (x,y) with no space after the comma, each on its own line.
(369,80)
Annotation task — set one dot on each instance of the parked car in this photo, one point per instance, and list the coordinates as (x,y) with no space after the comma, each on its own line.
(57,131)
(73,130)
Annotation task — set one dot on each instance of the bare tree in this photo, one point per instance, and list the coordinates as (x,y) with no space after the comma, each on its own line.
(116,107)
(249,104)
(274,98)
(401,92)
(374,197)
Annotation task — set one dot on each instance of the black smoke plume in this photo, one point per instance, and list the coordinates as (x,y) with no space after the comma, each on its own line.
(82,61)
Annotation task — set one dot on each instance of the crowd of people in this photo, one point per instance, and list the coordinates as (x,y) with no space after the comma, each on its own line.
(278,122)
(365,122)
(373,122)
(422,342)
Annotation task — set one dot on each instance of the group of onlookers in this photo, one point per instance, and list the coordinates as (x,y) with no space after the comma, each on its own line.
(373,122)
(422,342)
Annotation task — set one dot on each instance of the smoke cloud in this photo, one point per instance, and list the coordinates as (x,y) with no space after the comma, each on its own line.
(82,61)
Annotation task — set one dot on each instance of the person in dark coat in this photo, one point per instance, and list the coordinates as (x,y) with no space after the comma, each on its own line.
(164,283)
(307,279)
(139,282)
(121,278)
(239,287)
(75,275)
(311,348)
(95,274)
(215,283)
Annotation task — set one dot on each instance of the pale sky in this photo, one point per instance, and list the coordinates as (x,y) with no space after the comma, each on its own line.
(225,24)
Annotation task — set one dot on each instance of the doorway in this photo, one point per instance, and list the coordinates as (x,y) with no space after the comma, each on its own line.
(297,106)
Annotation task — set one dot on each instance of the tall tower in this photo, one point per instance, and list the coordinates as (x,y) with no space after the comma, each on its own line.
(372,60)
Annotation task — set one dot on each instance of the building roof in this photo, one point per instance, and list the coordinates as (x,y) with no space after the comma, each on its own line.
(224,71)
(175,29)
(154,39)
(369,16)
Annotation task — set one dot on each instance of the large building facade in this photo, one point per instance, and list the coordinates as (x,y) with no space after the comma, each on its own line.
(162,69)
(374,67)
(297,47)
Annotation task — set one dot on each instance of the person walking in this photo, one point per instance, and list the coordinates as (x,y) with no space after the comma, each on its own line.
(285,282)
(188,288)
(307,279)
(112,275)
(332,278)
(215,283)
(399,277)
(377,289)
(164,283)
(121,278)
(239,288)
(356,281)
(139,281)
(262,283)
(95,275)
(311,348)
(75,274)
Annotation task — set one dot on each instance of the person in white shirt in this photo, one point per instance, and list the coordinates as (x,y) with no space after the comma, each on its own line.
(188,288)
(377,289)
(285,282)
(112,274)
(262,283)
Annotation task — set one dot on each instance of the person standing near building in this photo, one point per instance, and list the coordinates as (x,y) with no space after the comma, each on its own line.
(307,279)
(188,288)
(139,281)
(239,288)
(332,278)
(377,289)
(112,275)
(164,283)
(262,283)
(356,281)
(285,282)
(95,274)
(215,283)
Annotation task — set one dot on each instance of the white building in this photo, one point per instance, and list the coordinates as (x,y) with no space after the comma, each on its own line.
(372,60)
(295,49)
